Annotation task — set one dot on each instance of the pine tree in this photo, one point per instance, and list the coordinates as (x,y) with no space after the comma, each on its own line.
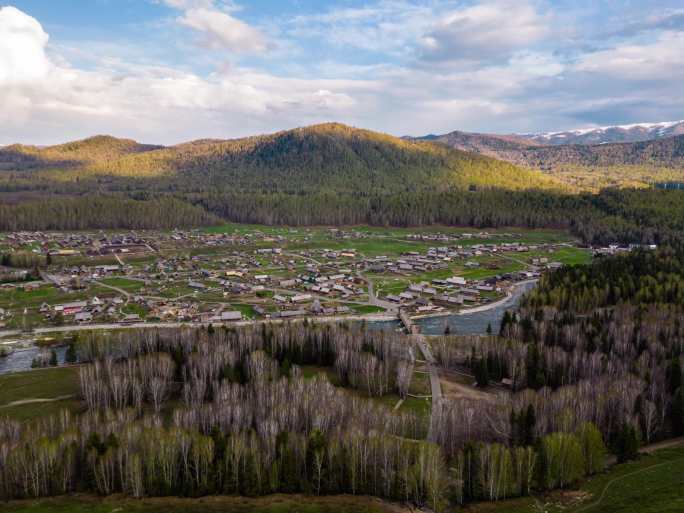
(677,413)
(530,424)
(482,373)
(674,375)
(71,356)
(627,446)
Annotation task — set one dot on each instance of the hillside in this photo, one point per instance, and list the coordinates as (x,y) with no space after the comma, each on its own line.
(503,147)
(329,157)
(584,166)
(100,148)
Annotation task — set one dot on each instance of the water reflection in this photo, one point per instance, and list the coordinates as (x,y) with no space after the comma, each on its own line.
(464,324)
(20,360)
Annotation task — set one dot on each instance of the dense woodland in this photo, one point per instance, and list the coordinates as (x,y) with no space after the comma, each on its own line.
(594,361)
(195,411)
(327,174)
(601,343)
(666,152)
(594,357)
(628,215)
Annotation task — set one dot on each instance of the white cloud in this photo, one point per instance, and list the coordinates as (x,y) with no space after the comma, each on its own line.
(22,48)
(389,26)
(220,30)
(188,4)
(490,29)
(662,59)
(518,84)
(52,101)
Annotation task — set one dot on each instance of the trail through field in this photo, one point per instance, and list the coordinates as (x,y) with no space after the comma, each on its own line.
(37,400)
(610,483)
(116,289)
(644,450)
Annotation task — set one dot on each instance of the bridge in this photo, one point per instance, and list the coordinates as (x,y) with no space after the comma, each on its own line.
(435,387)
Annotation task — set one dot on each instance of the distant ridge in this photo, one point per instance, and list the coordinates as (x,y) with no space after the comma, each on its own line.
(635,132)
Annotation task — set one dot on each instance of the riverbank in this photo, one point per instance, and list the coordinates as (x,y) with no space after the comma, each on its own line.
(517,289)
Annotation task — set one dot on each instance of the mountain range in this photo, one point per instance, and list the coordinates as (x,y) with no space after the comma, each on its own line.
(609,134)
(329,157)
(582,165)
(336,158)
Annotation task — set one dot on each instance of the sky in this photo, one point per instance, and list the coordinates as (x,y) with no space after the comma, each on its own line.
(167,71)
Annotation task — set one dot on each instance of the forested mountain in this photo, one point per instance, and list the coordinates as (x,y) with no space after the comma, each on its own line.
(587,167)
(328,174)
(503,147)
(667,152)
(328,157)
(74,154)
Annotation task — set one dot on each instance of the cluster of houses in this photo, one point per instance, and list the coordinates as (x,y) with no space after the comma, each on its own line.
(614,249)
(72,244)
(84,311)
(439,257)
(449,293)
(444,237)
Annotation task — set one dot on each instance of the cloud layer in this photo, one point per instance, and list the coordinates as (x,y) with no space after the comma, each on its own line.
(401,66)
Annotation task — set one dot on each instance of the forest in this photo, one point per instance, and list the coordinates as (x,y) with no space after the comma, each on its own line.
(593,360)
(322,175)
(192,412)
(647,216)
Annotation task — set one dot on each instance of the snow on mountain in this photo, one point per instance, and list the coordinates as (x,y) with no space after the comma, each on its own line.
(610,134)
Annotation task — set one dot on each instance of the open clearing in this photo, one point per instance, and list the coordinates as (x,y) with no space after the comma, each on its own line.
(652,484)
(58,386)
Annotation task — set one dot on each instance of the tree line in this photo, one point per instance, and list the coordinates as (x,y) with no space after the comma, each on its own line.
(646,216)
(201,411)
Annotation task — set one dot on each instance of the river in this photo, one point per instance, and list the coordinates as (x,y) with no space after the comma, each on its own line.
(459,324)
(20,360)
(474,323)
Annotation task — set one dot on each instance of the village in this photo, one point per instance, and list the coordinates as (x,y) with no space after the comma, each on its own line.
(198,276)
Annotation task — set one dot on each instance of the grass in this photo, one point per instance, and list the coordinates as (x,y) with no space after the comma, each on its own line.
(420,384)
(39,384)
(124,284)
(134,308)
(571,256)
(246,310)
(652,484)
(270,504)
(311,371)
(44,384)
(367,309)
(27,412)
(20,298)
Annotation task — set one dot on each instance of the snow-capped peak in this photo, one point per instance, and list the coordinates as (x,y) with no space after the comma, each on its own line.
(607,134)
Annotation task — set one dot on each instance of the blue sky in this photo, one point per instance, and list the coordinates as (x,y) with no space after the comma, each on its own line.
(167,71)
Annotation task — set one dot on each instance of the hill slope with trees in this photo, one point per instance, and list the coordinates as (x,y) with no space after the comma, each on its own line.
(587,167)
(330,157)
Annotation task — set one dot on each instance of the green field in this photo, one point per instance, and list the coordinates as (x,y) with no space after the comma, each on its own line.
(366,309)
(131,286)
(38,384)
(652,484)
(20,298)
